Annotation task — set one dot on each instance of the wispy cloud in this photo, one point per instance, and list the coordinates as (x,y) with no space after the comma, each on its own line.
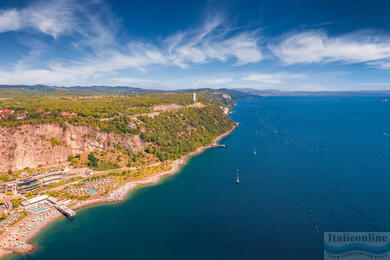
(52,18)
(275,78)
(319,47)
(375,84)
(213,81)
(139,83)
(73,42)
(94,34)
(211,42)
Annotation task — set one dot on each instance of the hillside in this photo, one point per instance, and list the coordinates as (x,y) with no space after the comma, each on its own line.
(118,130)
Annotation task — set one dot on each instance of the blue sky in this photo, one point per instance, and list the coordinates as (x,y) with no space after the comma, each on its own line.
(274,44)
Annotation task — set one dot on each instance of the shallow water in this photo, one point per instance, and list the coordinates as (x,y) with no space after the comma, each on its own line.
(326,168)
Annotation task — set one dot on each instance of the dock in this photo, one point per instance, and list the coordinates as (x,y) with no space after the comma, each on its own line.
(65,210)
(60,206)
(219,145)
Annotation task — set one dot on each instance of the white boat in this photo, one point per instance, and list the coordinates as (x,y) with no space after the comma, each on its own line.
(254,151)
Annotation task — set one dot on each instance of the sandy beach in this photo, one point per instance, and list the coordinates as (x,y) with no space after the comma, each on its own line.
(20,234)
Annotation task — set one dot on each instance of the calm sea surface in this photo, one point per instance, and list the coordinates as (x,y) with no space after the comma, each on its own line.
(327,168)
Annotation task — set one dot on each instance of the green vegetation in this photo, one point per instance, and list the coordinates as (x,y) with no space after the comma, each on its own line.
(103,113)
(55,142)
(103,166)
(168,134)
(64,195)
(60,183)
(16,202)
(93,162)
(179,132)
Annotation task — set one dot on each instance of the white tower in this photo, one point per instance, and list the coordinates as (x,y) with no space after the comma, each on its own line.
(194,96)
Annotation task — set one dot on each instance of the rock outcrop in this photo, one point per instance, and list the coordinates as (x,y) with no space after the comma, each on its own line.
(34,145)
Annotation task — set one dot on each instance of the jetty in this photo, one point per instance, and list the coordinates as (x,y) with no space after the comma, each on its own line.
(218,145)
(60,206)
(65,210)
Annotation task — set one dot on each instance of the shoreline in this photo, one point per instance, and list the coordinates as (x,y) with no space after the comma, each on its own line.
(116,196)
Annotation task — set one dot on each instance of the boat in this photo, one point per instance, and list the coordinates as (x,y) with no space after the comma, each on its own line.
(237,178)
(254,151)
(275,132)
(383,100)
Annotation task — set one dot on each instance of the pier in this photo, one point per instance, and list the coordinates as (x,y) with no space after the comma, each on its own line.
(65,210)
(60,206)
(219,145)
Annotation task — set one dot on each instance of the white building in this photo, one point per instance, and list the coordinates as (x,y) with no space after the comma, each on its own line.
(194,96)
(34,200)
(225,110)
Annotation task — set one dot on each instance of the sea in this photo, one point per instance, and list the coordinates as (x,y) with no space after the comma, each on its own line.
(322,164)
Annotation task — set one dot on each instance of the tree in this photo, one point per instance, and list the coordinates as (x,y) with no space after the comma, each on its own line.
(92,160)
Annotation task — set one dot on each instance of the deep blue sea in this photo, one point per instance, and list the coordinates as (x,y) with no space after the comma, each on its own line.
(326,168)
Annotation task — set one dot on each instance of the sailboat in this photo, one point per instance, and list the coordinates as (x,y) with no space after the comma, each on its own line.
(254,151)
(237,179)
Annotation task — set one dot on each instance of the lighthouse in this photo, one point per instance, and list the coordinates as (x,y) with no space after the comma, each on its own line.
(194,96)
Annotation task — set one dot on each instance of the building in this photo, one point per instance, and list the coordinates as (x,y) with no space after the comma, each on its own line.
(225,110)
(27,184)
(5,113)
(226,96)
(8,187)
(22,115)
(52,178)
(194,96)
(34,200)
(68,114)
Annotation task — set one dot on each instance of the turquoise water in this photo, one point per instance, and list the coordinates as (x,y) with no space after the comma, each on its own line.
(326,169)
(91,191)
(41,209)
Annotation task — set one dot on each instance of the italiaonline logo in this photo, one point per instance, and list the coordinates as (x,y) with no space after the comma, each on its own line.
(356,245)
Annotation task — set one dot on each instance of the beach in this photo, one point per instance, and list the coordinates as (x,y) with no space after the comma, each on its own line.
(20,234)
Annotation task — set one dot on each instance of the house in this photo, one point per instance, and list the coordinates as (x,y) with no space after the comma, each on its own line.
(22,115)
(68,114)
(5,113)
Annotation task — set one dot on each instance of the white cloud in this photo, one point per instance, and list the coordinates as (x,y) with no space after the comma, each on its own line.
(93,34)
(213,81)
(318,47)
(375,84)
(9,20)
(211,42)
(92,50)
(263,78)
(35,76)
(139,83)
(275,78)
(51,18)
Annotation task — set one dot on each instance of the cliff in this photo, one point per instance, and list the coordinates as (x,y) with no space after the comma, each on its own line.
(34,145)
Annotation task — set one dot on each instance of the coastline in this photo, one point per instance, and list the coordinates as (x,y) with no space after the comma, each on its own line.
(117,195)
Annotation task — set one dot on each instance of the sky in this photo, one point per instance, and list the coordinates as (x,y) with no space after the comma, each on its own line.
(263,44)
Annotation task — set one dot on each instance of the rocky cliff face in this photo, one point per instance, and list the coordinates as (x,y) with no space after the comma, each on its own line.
(34,145)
